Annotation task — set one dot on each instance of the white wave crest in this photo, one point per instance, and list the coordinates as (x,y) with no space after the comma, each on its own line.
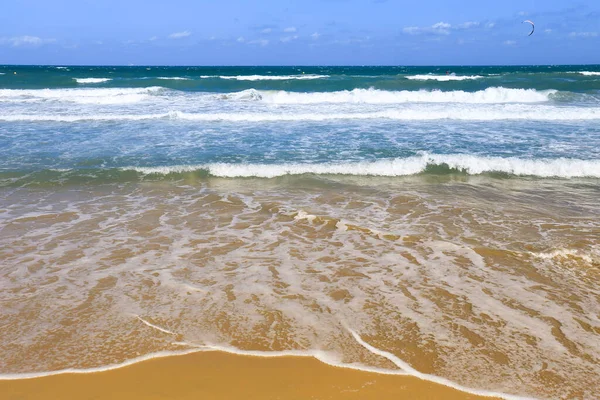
(173,78)
(92,80)
(443,78)
(375,96)
(474,165)
(269,77)
(80,95)
(590,73)
(248,95)
(564,253)
(501,112)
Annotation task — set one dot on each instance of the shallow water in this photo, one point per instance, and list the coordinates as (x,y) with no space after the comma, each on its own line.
(490,283)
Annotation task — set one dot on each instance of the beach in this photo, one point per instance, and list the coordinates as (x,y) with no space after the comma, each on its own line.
(224,376)
(278,232)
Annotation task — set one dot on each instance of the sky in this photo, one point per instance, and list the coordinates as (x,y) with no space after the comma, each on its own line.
(294,32)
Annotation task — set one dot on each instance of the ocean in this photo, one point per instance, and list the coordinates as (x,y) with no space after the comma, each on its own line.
(439,222)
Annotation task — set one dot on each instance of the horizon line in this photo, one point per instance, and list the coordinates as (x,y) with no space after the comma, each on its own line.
(296,65)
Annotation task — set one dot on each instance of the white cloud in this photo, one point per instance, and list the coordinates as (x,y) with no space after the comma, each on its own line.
(315,35)
(241,39)
(411,30)
(261,42)
(440,28)
(30,41)
(467,25)
(441,25)
(490,25)
(179,35)
(153,38)
(267,30)
(509,43)
(548,30)
(291,29)
(289,38)
(583,34)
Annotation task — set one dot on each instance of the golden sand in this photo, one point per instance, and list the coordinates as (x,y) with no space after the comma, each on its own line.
(218,375)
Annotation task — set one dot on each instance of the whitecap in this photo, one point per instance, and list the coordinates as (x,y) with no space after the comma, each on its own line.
(271,77)
(443,78)
(376,96)
(92,80)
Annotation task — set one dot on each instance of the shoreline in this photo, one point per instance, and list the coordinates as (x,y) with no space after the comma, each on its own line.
(223,375)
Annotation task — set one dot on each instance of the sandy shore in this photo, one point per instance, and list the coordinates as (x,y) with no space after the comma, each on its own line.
(217,375)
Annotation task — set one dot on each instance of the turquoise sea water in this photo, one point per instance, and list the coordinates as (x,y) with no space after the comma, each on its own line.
(122,123)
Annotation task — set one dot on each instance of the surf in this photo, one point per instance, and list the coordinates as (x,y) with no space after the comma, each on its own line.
(499,113)
(376,96)
(461,163)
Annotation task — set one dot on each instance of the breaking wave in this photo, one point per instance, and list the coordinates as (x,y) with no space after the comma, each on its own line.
(492,95)
(375,96)
(92,80)
(469,164)
(489,113)
(80,95)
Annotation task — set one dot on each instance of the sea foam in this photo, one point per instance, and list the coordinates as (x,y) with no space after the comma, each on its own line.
(443,78)
(375,96)
(327,358)
(92,80)
(499,113)
(81,95)
(492,95)
(269,77)
(471,164)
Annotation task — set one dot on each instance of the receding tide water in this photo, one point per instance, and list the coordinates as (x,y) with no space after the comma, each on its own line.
(439,222)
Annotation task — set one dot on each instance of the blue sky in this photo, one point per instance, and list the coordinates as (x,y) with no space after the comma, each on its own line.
(309,32)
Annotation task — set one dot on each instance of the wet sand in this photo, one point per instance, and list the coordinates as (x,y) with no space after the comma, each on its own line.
(490,284)
(218,375)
